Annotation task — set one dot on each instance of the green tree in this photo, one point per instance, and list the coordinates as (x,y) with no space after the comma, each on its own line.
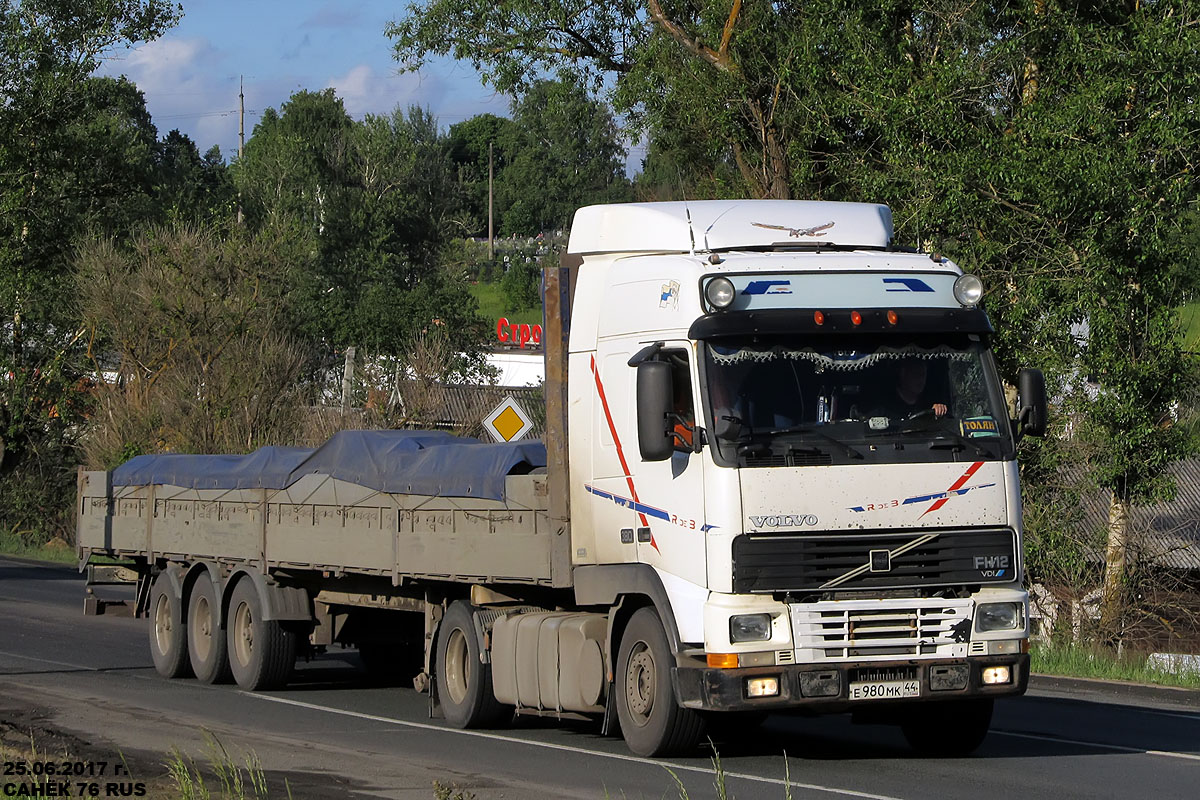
(376,199)
(568,154)
(191,187)
(75,155)
(467,146)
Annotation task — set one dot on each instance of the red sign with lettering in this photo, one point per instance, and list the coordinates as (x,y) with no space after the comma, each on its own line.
(519,334)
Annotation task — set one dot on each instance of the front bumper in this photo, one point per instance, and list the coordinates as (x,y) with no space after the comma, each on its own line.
(826,689)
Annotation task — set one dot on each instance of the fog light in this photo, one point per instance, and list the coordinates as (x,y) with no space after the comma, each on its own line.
(762,687)
(994,675)
(750,628)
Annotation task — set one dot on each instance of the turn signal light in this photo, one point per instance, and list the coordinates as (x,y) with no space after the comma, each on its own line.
(723,660)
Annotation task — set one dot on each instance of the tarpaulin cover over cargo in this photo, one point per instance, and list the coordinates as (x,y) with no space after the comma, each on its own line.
(403,462)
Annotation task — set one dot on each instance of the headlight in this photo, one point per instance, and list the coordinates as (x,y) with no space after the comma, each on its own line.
(750,628)
(968,289)
(719,292)
(998,617)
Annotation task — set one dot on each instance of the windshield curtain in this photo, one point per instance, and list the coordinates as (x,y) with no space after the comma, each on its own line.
(839,399)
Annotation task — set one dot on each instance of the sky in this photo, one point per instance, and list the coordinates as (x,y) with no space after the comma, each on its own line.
(190,76)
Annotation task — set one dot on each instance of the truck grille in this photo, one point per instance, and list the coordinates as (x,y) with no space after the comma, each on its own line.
(873,560)
(881,629)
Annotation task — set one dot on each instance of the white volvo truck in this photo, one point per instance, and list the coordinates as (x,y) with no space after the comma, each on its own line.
(779,475)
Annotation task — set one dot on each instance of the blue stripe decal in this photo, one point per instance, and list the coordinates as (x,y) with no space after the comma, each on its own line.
(625,502)
(937,496)
(943,495)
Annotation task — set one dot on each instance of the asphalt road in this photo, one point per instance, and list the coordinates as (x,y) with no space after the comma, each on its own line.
(332,735)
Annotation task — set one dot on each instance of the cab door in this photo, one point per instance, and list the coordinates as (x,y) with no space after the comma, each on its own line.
(670,514)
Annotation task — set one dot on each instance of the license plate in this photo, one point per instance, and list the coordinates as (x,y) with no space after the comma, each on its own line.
(884,690)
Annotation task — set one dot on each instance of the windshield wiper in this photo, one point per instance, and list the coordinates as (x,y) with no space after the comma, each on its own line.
(959,442)
(847,449)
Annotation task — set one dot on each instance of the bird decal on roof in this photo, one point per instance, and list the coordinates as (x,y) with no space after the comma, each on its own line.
(796,233)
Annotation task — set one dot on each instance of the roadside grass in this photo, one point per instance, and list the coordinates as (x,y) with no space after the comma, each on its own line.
(722,792)
(58,551)
(492,305)
(1085,662)
(232,780)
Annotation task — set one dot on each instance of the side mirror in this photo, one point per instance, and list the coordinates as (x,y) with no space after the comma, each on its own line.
(655,398)
(1031,402)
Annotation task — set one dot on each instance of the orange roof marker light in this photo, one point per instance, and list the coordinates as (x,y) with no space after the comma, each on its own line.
(893,317)
(856,317)
(819,317)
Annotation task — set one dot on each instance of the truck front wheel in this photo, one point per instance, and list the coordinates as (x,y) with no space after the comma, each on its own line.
(652,723)
(464,682)
(262,653)
(168,630)
(952,729)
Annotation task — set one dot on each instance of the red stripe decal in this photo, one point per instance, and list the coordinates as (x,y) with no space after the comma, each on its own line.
(966,476)
(612,429)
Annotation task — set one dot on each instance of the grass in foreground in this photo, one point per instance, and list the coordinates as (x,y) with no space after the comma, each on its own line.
(1103,664)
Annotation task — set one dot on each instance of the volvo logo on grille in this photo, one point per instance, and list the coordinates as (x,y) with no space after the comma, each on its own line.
(784,521)
(881,561)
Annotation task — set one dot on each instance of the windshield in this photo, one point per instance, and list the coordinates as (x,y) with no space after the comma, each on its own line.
(884,398)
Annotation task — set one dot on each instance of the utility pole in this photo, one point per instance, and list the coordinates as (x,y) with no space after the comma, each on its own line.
(491,238)
(241,133)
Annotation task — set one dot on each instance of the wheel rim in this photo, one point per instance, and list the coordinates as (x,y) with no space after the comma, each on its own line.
(243,634)
(458,666)
(640,684)
(202,625)
(162,624)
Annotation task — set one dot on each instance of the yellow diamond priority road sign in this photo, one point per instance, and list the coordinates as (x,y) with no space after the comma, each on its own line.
(508,422)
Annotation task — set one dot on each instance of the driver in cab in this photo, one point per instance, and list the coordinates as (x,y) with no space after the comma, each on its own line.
(911,394)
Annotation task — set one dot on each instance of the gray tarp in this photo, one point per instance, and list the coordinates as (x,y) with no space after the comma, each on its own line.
(408,462)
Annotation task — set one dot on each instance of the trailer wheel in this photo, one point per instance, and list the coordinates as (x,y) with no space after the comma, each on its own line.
(261,653)
(168,630)
(652,723)
(207,645)
(947,729)
(464,682)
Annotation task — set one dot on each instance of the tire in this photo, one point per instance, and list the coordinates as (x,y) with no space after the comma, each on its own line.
(168,630)
(652,723)
(951,729)
(464,683)
(261,653)
(208,649)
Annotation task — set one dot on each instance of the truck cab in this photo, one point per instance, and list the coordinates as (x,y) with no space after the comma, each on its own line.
(796,433)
